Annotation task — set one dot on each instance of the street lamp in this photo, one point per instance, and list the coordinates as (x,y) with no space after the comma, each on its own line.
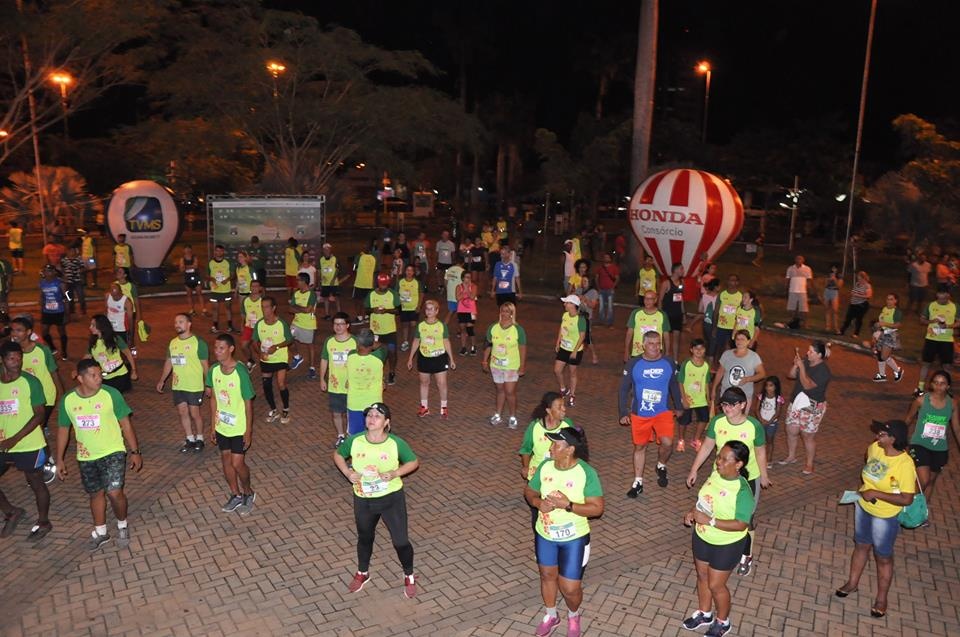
(63,80)
(275,69)
(4,137)
(704,68)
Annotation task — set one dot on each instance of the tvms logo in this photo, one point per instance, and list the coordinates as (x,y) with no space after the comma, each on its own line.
(143,214)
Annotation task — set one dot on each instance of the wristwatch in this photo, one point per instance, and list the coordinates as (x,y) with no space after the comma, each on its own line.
(569,507)
(713,522)
(135,452)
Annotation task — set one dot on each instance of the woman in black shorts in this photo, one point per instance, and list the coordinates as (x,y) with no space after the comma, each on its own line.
(431,345)
(192,281)
(671,303)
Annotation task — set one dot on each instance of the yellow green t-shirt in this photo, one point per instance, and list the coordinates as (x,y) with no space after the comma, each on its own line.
(728,304)
(696,381)
(244,277)
(748,320)
(230,390)
(335,353)
(95,421)
(221,273)
(887,474)
(111,361)
(252,310)
(409,294)
(371,459)
(641,322)
(750,432)
(269,335)
(381,324)
(15,239)
(87,249)
(537,445)
(291,260)
(308,299)
(40,363)
(571,327)
(186,358)
(935,312)
(365,378)
(129,290)
(328,271)
(122,255)
(890,315)
(17,400)
(578,483)
(646,281)
(505,346)
(431,336)
(724,499)
(366,265)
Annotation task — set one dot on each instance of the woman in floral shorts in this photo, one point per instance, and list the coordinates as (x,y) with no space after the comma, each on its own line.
(804,415)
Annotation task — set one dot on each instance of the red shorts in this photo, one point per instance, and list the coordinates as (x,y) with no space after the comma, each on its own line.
(247,334)
(643,429)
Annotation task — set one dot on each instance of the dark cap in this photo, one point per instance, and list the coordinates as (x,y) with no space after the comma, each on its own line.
(381,407)
(896,429)
(573,436)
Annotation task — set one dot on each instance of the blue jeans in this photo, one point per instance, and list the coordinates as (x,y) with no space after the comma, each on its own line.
(606,308)
(880,532)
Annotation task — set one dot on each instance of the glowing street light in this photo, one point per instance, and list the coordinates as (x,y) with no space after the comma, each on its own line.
(275,69)
(703,67)
(4,137)
(63,80)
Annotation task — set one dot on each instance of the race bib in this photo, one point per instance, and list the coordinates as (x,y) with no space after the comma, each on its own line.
(728,309)
(704,507)
(88,423)
(405,296)
(566,344)
(266,345)
(651,395)
(444,254)
(742,322)
(10,407)
(500,362)
(179,359)
(219,278)
(678,297)
(372,486)
(503,285)
(111,365)
(327,270)
(934,431)
(560,531)
(695,387)
(251,319)
(227,419)
(51,305)
(339,358)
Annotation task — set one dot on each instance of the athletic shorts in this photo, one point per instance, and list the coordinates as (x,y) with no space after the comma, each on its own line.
(356,422)
(192,398)
(290,280)
(55,318)
(17,254)
(643,429)
(695,414)
(932,351)
(807,419)
(568,357)
(337,403)
(924,457)
(443,267)
(771,429)
(432,364)
(327,291)
(192,280)
(409,316)
(452,307)
(390,340)
(26,461)
(881,533)
(246,334)
(676,322)
(797,302)
(720,341)
(466,318)
(121,383)
(302,334)
(233,444)
(361,293)
(501,376)
(104,474)
(720,557)
(221,297)
(570,557)
(269,368)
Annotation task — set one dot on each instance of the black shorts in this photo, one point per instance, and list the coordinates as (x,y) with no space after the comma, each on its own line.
(465,318)
(924,457)
(676,322)
(53,318)
(361,293)
(569,357)
(390,340)
(443,267)
(432,364)
(720,557)
(326,291)
(192,281)
(477,267)
(26,461)
(503,298)
(270,368)
(408,316)
(695,414)
(121,383)
(933,350)
(17,254)
(192,398)
(233,444)
(104,474)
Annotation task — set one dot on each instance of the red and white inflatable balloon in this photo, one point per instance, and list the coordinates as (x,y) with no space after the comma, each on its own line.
(678,215)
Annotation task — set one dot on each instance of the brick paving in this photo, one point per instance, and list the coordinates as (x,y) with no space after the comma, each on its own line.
(282,570)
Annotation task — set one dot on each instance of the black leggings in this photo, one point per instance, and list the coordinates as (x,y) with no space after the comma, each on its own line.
(393,509)
(855,314)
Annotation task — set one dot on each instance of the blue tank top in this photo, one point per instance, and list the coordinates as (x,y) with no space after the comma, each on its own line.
(53,300)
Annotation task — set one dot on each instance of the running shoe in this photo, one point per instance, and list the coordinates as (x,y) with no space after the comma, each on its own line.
(473,351)
(39,531)
(357,321)
(879,378)
(444,413)
(695,443)
(662,476)
(547,625)
(285,417)
(409,587)
(404,346)
(273,415)
(697,620)
(745,565)
(681,447)
(246,506)
(358,581)
(571,400)
(573,625)
(49,471)
(463,351)
(635,490)
(512,422)
(232,504)
(897,375)
(296,362)
(188,445)
(96,540)
(719,629)
(917,393)
(339,441)
(391,378)
(198,446)
(495,420)
(10,521)
(214,329)
(312,373)
(232,329)
(250,365)
(133,350)
(123,537)
(423,411)
(564,391)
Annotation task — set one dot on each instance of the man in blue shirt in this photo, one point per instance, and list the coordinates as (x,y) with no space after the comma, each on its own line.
(506,278)
(651,378)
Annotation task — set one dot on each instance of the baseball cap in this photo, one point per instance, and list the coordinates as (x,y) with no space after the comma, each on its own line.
(571,298)
(573,436)
(381,407)
(896,429)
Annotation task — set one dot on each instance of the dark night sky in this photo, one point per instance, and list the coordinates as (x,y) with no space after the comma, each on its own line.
(774,62)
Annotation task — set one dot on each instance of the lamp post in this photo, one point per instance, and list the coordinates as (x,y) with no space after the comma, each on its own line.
(4,137)
(704,68)
(276,69)
(63,80)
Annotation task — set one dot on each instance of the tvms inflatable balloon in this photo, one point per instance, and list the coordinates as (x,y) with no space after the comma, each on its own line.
(678,215)
(146,213)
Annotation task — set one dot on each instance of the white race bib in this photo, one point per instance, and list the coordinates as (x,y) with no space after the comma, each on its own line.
(934,431)
(227,419)
(89,422)
(651,395)
(372,486)
(560,531)
(339,358)
(10,407)
(503,285)
(678,297)
(179,359)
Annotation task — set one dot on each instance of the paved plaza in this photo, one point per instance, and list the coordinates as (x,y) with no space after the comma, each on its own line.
(283,570)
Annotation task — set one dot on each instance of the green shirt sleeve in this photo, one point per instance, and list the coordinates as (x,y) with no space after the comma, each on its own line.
(312,299)
(630,321)
(63,418)
(121,344)
(36,390)
(897,315)
(592,489)
(446,331)
(287,334)
(526,447)
(711,428)
(760,435)
(48,358)
(324,354)
(758,317)
(256,331)
(404,452)
(682,372)
(381,353)
(203,351)
(490,335)
(582,324)
(346,447)
(396,299)
(246,387)
(926,312)
(744,508)
(534,482)
(366,301)
(208,380)
(120,407)
(416,332)
(521,336)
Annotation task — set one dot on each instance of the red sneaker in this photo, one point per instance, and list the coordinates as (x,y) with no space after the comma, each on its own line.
(444,413)
(358,581)
(423,411)
(409,587)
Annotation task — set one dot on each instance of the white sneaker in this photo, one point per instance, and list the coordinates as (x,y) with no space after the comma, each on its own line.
(512,422)
(495,420)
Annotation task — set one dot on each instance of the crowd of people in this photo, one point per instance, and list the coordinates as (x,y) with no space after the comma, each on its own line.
(712,393)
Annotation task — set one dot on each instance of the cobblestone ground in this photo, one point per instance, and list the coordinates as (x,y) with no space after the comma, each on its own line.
(283,570)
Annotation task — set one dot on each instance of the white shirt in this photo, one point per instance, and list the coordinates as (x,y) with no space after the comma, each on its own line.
(798,278)
(311,271)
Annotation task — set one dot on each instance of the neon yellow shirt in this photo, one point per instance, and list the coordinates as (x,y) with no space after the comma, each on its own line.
(696,381)
(409,294)
(935,313)
(40,363)
(887,474)
(537,445)
(95,421)
(578,483)
(308,299)
(17,400)
(221,273)
(505,346)
(728,304)
(371,459)
(336,352)
(291,260)
(252,311)
(750,432)
(328,271)
(186,356)
(641,322)
(230,390)
(111,362)
(571,327)
(381,324)
(365,378)
(269,335)
(366,265)
(725,500)
(122,255)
